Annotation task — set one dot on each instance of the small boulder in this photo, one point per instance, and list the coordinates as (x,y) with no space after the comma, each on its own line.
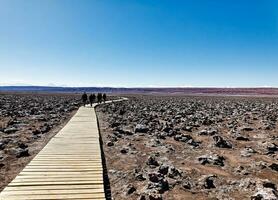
(110,144)
(152,161)
(163,169)
(130,189)
(10,130)
(247,152)
(265,194)
(213,159)
(22,153)
(124,150)
(140,128)
(274,167)
(208,182)
(221,142)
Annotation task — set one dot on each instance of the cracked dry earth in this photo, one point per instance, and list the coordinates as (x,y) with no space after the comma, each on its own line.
(27,123)
(185,147)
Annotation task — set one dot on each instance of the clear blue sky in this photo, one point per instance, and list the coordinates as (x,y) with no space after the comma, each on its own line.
(139,43)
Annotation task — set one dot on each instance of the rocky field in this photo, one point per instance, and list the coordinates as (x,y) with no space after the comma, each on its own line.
(27,122)
(170,147)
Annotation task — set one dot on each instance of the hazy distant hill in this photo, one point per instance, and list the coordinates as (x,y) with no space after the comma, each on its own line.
(228,91)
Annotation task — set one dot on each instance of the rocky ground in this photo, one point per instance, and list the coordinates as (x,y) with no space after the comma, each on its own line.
(170,147)
(27,122)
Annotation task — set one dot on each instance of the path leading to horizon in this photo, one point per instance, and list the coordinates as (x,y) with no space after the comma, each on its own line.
(68,167)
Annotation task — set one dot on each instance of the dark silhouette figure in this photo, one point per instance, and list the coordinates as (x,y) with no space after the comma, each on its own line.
(104,97)
(92,99)
(84,98)
(99,97)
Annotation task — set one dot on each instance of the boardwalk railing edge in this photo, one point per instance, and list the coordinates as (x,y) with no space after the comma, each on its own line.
(106,182)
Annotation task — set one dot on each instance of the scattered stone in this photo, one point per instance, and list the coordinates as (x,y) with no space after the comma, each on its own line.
(274,167)
(241,138)
(203,132)
(155,177)
(187,184)
(213,159)
(2,145)
(220,142)
(10,130)
(46,128)
(188,128)
(212,132)
(265,194)
(36,132)
(176,125)
(246,128)
(247,152)
(110,144)
(272,148)
(174,173)
(22,153)
(163,169)
(130,189)
(140,128)
(155,197)
(22,145)
(207,181)
(124,150)
(152,161)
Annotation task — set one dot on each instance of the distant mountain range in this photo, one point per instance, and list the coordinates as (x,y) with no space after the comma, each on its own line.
(177,90)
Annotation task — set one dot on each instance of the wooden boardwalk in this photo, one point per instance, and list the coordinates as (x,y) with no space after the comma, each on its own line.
(68,167)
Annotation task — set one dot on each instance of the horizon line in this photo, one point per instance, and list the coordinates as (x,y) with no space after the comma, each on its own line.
(142,87)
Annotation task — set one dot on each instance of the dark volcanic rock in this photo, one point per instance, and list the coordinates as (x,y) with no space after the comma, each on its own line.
(10,130)
(152,161)
(247,152)
(22,146)
(130,189)
(22,153)
(265,194)
(140,128)
(184,129)
(163,169)
(272,148)
(274,167)
(213,159)
(208,181)
(220,142)
(247,128)
(2,145)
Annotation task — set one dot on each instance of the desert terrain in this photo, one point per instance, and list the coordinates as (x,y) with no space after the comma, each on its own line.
(27,123)
(191,147)
(157,147)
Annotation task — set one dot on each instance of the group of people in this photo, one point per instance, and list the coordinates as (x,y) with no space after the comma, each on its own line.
(93,98)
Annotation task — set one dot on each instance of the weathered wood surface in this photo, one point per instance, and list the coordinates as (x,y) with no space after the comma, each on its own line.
(68,167)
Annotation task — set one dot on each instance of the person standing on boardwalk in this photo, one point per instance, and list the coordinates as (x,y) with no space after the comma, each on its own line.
(92,99)
(99,97)
(84,98)
(104,97)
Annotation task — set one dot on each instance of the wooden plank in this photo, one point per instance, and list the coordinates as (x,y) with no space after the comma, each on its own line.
(44,192)
(62,170)
(54,187)
(55,196)
(56,179)
(60,164)
(12,184)
(48,172)
(85,176)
